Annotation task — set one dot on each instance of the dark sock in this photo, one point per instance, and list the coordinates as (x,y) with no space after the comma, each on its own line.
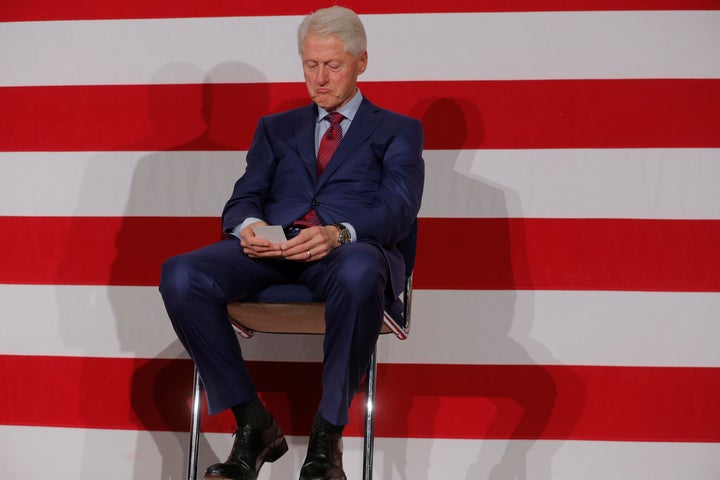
(319,423)
(252,413)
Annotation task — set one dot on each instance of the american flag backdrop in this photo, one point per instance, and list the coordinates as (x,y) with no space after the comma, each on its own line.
(566,316)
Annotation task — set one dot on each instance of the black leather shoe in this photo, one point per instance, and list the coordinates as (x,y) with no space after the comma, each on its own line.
(324,457)
(252,448)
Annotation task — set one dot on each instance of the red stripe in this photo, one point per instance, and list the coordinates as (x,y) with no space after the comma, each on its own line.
(93,10)
(487,114)
(435,401)
(569,254)
(487,253)
(97,250)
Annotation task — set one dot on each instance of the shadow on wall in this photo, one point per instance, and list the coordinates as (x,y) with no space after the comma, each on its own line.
(532,396)
(507,401)
(227,120)
(207,119)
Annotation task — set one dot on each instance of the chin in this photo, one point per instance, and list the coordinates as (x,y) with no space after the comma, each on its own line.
(325,101)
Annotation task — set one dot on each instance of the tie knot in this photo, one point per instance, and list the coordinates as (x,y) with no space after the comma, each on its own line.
(335,118)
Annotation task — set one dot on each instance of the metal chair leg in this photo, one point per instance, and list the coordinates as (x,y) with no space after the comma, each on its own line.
(195,427)
(369,439)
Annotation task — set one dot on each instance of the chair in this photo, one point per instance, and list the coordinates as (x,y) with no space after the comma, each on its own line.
(295,309)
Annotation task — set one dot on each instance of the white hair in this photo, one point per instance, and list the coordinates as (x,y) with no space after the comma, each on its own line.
(339,21)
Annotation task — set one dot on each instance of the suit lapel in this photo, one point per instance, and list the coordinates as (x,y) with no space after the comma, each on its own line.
(304,127)
(362,126)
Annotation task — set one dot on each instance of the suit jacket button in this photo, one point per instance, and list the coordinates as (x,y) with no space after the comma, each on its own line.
(315,203)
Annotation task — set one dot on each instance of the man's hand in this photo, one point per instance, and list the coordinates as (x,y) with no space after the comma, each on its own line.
(256,247)
(311,244)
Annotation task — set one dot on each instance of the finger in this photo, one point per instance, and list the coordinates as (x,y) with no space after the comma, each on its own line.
(306,236)
(260,249)
(302,256)
(259,242)
(264,254)
(294,242)
(300,251)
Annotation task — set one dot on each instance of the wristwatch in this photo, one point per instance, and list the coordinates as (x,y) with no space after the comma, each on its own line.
(343,233)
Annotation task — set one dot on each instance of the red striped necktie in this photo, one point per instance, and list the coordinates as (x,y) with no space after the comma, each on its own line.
(328,144)
(330,141)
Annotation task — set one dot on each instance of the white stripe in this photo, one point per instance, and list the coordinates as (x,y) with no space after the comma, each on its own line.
(563,183)
(573,183)
(483,327)
(536,45)
(118,183)
(121,455)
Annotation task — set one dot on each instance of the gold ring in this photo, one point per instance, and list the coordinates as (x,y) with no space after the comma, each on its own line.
(309,254)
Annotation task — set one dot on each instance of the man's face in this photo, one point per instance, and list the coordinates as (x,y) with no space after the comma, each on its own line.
(330,72)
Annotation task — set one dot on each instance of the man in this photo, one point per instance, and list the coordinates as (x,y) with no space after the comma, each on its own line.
(344,178)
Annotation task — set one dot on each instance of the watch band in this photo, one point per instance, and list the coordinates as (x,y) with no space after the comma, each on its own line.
(343,233)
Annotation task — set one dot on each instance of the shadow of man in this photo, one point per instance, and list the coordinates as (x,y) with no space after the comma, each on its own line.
(514,395)
(188,179)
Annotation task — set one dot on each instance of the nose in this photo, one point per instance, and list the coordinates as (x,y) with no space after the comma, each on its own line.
(321,75)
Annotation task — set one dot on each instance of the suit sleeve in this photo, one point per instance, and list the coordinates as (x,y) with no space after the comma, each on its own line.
(399,195)
(251,188)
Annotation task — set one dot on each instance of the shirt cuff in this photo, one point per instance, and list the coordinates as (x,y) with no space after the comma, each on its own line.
(353,234)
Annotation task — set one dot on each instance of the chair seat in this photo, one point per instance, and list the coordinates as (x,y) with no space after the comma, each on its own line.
(295,308)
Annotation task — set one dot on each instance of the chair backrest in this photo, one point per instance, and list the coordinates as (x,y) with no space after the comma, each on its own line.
(408,248)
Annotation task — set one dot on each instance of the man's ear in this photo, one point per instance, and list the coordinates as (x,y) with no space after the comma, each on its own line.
(362,62)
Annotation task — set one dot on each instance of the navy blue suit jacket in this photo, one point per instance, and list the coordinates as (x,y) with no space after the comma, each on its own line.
(374,181)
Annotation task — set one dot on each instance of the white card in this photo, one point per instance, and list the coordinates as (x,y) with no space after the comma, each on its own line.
(274,233)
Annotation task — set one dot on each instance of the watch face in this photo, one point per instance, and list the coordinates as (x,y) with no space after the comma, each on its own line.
(344,234)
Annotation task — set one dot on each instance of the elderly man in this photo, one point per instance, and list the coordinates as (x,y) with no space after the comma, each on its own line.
(344,179)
